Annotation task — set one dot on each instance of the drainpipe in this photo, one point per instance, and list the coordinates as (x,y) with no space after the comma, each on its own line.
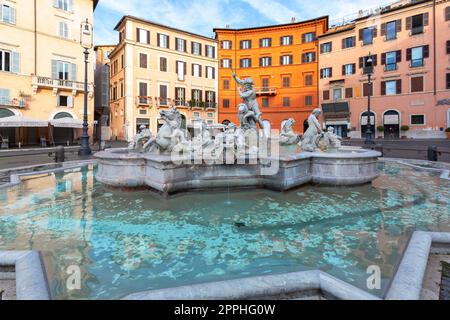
(434,44)
(35,38)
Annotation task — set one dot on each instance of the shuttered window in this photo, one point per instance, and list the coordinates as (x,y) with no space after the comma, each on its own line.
(286,101)
(286,40)
(308,80)
(226,103)
(180,44)
(7,14)
(348,93)
(286,82)
(143,60)
(226,84)
(66,5)
(326,47)
(308,100)
(163,94)
(447,13)
(196,48)
(416,84)
(348,42)
(265,42)
(265,61)
(308,37)
(163,64)
(326,94)
(142,36)
(63,30)
(163,41)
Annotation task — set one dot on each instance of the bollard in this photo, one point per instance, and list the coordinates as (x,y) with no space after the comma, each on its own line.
(379,148)
(59,154)
(432,153)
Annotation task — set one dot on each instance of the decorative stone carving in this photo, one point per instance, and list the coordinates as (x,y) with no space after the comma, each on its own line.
(137,145)
(310,139)
(330,139)
(287,135)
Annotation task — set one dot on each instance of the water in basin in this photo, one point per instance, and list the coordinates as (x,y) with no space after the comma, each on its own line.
(132,241)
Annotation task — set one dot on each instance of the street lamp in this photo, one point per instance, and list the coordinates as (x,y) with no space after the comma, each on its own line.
(368,69)
(86,36)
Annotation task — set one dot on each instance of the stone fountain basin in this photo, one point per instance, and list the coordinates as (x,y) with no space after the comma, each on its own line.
(346,166)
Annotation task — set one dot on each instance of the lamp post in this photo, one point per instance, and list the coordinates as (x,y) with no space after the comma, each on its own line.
(368,69)
(86,42)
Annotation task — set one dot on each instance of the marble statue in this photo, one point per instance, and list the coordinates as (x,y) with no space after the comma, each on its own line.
(247,93)
(331,139)
(137,145)
(287,135)
(169,135)
(310,139)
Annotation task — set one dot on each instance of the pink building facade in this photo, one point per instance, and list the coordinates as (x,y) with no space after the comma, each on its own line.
(409,43)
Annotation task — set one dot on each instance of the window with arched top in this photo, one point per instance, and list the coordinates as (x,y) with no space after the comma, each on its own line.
(4,113)
(61,115)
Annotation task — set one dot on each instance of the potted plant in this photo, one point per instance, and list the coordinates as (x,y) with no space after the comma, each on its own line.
(380,129)
(404,128)
(447,131)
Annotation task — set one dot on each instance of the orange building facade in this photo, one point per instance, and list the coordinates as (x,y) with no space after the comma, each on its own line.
(282,60)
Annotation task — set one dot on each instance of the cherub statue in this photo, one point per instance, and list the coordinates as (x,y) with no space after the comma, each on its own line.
(144,134)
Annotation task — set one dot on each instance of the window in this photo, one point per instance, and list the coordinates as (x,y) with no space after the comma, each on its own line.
(210,51)
(265,42)
(122,93)
(246,44)
(416,56)
(348,93)
(391,87)
(367,35)
(226,84)
(196,48)
(326,47)
(265,61)
(363,61)
(348,69)
(181,70)
(265,102)
(265,83)
(308,80)
(286,40)
(5,61)
(210,73)
(143,60)
(226,63)
(417,119)
(63,30)
(390,59)
(246,63)
(416,23)
(142,36)
(308,100)
(163,94)
(196,70)
(163,41)
(390,29)
(180,96)
(337,93)
(63,4)
(366,89)
(447,13)
(64,71)
(285,60)
(210,99)
(143,93)
(196,96)
(448,46)
(308,57)
(348,42)
(326,73)
(416,84)
(326,94)
(308,37)
(286,82)
(162,64)
(7,14)
(65,101)
(286,101)
(180,45)
(226,103)
(226,44)
(448,80)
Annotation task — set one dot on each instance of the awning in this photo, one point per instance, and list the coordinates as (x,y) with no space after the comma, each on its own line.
(67,123)
(335,110)
(20,121)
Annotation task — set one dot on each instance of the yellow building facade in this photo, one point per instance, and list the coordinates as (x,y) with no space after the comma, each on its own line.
(42,70)
(155,67)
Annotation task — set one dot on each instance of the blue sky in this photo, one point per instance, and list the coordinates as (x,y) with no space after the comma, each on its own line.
(201,16)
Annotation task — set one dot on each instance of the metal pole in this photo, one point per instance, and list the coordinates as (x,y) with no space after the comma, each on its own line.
(368,129)
(85,150)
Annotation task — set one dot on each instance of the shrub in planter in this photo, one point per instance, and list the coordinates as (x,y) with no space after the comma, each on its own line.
(404,128)
(380,128)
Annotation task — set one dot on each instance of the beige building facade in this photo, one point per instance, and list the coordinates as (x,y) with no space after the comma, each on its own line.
(156,66)
(410,45)
(42,70)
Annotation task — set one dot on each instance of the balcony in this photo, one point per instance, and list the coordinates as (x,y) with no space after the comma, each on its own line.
(58,84)
(265,91)
(144,101)
(15,102)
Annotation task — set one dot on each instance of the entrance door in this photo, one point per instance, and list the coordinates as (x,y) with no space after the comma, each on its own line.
(391,124)
(364,125)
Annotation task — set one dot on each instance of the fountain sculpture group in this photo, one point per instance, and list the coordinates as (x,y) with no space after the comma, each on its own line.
(237,156)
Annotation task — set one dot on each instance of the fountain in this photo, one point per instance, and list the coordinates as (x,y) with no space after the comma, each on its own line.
(240,156)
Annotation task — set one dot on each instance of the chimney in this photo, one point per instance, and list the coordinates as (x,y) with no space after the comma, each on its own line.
(293,19)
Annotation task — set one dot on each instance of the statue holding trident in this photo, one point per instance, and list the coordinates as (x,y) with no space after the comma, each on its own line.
(248,94)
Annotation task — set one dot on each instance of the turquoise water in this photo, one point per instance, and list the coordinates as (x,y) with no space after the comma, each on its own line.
(132,241)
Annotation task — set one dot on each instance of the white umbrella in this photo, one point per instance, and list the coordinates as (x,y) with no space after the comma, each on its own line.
(21,121)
